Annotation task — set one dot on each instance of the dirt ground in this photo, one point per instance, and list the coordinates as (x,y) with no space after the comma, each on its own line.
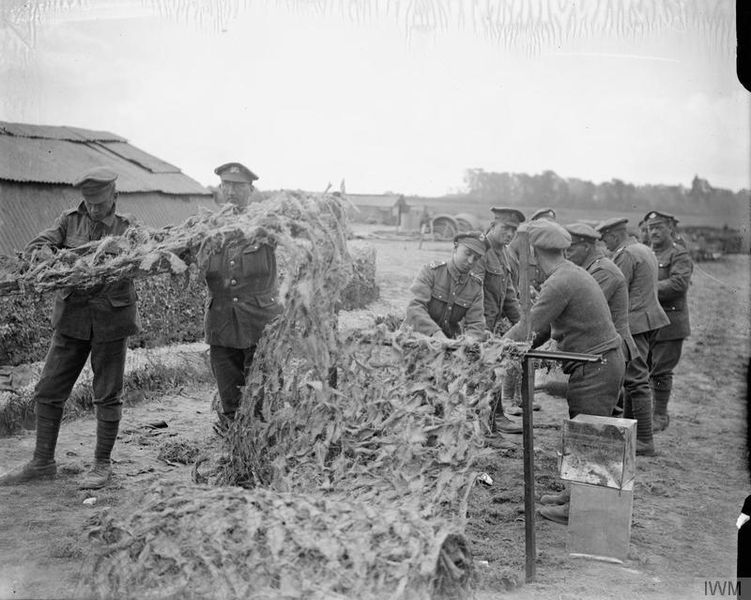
(686,499)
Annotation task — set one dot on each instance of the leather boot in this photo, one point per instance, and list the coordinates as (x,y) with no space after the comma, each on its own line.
(42,465)
(99,475)
(557,513)
(645,448)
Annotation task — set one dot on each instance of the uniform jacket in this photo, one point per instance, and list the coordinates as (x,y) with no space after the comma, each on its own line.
(615,289)
(243,294)
(445,299)
(674,276)
(573,308)
(534,274)
(500,297)
(639,266)
(102,314)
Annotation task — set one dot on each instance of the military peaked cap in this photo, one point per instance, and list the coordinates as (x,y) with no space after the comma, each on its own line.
(474,240)
(582,232)
(235,172)
(96,180)
(509,216)
(612,224)
(543,213)
(548,235)
(654,216)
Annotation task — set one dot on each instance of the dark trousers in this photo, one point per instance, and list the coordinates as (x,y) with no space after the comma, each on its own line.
(663,360)
(593,388)
(230,366)
(638,396)
(65,360)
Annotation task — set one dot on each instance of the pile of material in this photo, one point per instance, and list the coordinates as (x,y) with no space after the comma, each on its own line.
(209,542)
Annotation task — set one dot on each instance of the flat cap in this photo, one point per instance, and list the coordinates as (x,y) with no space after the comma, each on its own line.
(612,224)
(582,232)
(510,216)
(548,235)
(95,180)
(235,172)
(655,216)
(543,213)
(474,240)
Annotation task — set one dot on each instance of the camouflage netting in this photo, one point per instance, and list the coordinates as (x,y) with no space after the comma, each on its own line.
(358,451)
(261,544)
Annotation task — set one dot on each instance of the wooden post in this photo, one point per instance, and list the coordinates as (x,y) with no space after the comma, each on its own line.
(528,393)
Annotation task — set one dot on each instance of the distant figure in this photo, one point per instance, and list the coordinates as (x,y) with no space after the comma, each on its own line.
(447,296)
(674,277)
(91,323)
(543,213)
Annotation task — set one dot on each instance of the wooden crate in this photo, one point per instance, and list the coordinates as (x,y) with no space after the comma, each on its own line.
(598,450)
(599,522)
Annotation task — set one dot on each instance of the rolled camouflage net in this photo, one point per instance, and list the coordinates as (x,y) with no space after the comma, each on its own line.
(263,544)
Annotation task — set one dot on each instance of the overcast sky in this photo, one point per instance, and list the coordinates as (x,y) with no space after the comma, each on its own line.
(306,97)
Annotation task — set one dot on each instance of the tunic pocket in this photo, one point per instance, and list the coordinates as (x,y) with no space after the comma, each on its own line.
(255,261)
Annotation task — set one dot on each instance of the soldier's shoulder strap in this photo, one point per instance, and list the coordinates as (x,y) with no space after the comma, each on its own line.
(436,264)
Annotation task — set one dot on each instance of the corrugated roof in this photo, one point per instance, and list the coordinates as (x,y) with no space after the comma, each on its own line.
(58,155)
(58,132)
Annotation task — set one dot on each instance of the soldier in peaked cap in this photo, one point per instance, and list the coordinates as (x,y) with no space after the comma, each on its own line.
(236,184)
(500,296)
(673,278)
(639,266)
(572,309)
(243,298)
(94,322)
(447,295)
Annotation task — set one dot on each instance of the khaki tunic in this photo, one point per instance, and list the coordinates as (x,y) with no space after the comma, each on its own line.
(103,314)
(500,296)
(638,264)
(674,276)
(447,300)
(243,294)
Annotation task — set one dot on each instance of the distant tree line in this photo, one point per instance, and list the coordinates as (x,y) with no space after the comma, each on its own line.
(549,189)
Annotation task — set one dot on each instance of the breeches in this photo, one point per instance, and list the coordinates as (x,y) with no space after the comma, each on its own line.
(65,360)
(664,358)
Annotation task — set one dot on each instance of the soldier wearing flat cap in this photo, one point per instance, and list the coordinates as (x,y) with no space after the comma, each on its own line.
(500,297)
(572,309)
(94,322)
(447,297)
(543,213)
(639,266)
(243,298)
(673,278)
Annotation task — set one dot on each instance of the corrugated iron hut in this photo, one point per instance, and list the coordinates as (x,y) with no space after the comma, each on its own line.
(39,163)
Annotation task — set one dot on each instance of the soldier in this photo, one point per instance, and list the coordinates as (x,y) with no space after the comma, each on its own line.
(500,296)
(572,309)
(646,317)
(447,295)
(243,297)
(94,322)
(674,277)
(543,213)
(586,252)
